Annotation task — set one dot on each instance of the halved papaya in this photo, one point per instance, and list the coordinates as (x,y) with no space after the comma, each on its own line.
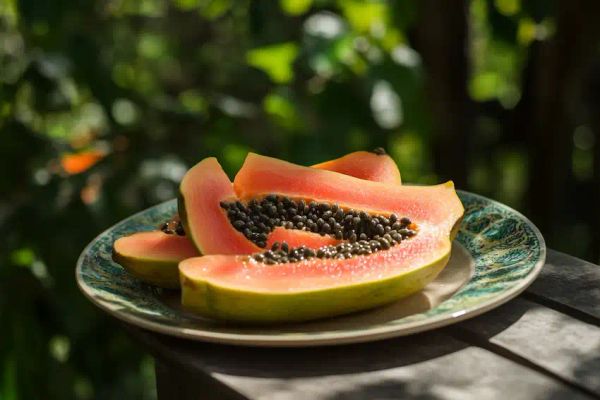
(348,277)
(153,256)
(208,182)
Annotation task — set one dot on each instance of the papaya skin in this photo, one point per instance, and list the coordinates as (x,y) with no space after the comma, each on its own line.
(242,306)
(153,256)
(164,274)
(184,218)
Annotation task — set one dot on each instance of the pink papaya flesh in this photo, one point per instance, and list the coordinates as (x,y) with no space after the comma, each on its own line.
(240,288)
(372,166)
(153,256)
(298,238)
(261,175)
(202,190)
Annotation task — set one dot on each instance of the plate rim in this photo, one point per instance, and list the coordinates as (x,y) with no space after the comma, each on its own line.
(327,338)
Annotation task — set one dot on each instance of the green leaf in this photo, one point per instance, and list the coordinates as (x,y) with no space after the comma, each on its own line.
(413,157)
(186,4)
(83,388)
(60,347)
(526,31)
(364,15)
(295,7)
(215,8)
(193,101)
(484,86)
(23,257)
(152,46)
(8,384)
(9,12)
(234,155)
(282,110)
(146,8)
(508,7)
(275,60)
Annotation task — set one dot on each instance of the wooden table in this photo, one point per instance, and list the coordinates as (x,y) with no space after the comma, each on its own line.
(543,344)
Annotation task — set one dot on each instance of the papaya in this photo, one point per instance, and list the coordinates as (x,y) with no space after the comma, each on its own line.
(159,266)
(205,190)
(153,256)
(393,240)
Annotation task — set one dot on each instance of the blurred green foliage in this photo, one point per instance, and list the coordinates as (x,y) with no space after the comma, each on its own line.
(104,104)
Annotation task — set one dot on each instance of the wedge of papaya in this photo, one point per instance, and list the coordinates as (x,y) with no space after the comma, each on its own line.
(153,256)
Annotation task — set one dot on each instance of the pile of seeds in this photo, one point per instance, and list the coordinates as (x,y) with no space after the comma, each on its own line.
(173,227)
(258,218)
(281,253)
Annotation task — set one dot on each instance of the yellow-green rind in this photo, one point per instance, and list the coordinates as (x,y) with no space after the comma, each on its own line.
(456,227)
(161,273)
(229,304)
(184,219)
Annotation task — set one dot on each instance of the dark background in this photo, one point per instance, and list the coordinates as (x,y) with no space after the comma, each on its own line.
(104,104)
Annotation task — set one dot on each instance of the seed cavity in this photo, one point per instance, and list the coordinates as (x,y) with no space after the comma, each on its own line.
(281,253)
(361,232)
(258,218)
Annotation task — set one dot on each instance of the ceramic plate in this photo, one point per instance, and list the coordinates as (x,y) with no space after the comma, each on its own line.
(496,255)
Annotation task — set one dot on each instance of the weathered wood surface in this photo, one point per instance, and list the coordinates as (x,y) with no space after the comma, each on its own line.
(547,338)
(544,344)
(571,282)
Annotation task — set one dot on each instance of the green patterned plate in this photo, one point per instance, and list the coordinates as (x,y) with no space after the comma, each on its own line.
(496,255)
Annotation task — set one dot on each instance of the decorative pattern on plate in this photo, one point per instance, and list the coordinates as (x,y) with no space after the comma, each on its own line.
(507,251)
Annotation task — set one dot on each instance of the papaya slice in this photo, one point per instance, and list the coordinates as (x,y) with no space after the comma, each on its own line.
(261,176)
(209,178)
(374,166)
(251,289)
(202,190)
(153,256)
